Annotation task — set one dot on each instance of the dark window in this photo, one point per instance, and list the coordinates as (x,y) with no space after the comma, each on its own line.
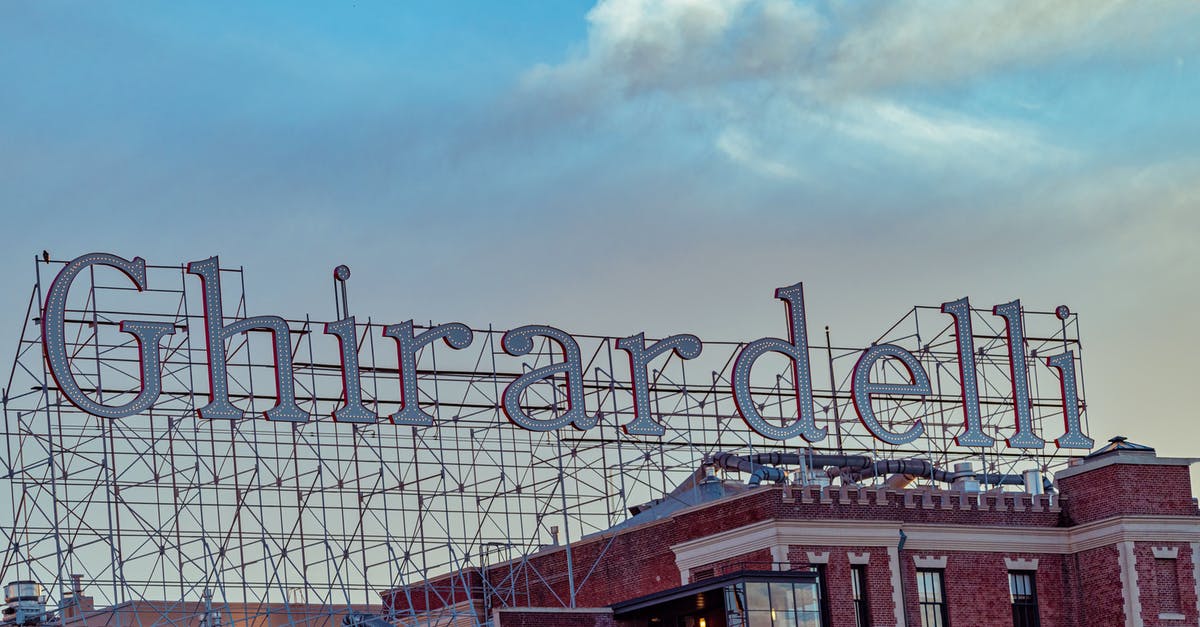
(858,585)
(931,599)
(1022,587)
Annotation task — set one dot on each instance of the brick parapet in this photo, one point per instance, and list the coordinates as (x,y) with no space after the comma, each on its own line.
(926,504)
(1127,489)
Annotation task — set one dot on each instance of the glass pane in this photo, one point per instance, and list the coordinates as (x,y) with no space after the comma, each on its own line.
(759,619)
(808,597)
(785,619)
(808,619)
(1018,585)
(757,597)
(781,597)
(856,583)
(929,585)
(931,616)
(735,598)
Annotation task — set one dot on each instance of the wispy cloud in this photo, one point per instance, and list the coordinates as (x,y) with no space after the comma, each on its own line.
(740,148)
(842,68)
(637,46)
(929,42)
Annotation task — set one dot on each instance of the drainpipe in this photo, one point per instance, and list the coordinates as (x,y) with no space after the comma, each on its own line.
(900,567)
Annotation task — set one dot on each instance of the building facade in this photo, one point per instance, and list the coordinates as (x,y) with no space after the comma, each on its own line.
(1116,543)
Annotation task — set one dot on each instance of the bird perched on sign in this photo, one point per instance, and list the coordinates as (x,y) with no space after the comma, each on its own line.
(46,256)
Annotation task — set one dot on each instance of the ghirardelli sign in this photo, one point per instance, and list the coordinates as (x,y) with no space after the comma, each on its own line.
(409,341)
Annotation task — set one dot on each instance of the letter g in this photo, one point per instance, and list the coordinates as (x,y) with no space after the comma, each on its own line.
(149,335)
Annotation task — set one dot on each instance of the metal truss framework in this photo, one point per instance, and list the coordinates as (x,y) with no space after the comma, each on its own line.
(168,507)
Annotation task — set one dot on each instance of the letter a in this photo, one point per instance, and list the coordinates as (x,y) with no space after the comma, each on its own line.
(520,342)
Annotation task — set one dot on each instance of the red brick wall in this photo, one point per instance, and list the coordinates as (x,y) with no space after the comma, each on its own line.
(518,617)
(1124,489)
(443,591)
(839,587)
(1098,589)
(1187,584)
(977,585)
(1153,592)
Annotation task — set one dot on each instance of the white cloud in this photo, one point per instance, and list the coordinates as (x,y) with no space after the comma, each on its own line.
(935,135)
(837,67)
(923,41)
(638,46)
(739,147)
(644,45)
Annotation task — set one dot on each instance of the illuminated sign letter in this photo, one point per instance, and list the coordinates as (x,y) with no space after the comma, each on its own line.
(795,348)
(216,332)
(960,310)
(519,342)
(352,409)
(456,336)
(685,346)
(149,335)
(1065,364)
(1019,371)
(861,388)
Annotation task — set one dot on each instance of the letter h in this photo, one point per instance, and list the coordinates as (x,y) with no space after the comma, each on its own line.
(216,332)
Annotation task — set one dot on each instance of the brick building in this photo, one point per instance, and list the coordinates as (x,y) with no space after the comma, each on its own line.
(1114,542)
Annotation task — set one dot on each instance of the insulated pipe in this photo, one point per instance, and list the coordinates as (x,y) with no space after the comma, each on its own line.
(757,471)
(762,465)
(995,478)
(814,461)
(913,468)
(918,467)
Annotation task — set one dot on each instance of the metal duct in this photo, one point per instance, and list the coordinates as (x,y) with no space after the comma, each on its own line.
(762,466)
(910,469)
(917,467)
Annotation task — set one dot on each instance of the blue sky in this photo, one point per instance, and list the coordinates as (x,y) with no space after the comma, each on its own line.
(630,165)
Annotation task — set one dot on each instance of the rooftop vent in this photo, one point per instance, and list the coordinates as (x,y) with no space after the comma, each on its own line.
(1033,481)
(964,477)
(1117,444)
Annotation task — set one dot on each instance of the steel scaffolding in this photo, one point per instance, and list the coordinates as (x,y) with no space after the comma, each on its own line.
(211,514)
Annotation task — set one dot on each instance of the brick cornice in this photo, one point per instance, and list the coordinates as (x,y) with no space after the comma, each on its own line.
(1122,458)
(772,533)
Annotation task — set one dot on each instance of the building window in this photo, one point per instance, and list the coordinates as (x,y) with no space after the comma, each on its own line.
(858,585)
(1022,588)
(1167,582)
(782,604)
(931,599)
